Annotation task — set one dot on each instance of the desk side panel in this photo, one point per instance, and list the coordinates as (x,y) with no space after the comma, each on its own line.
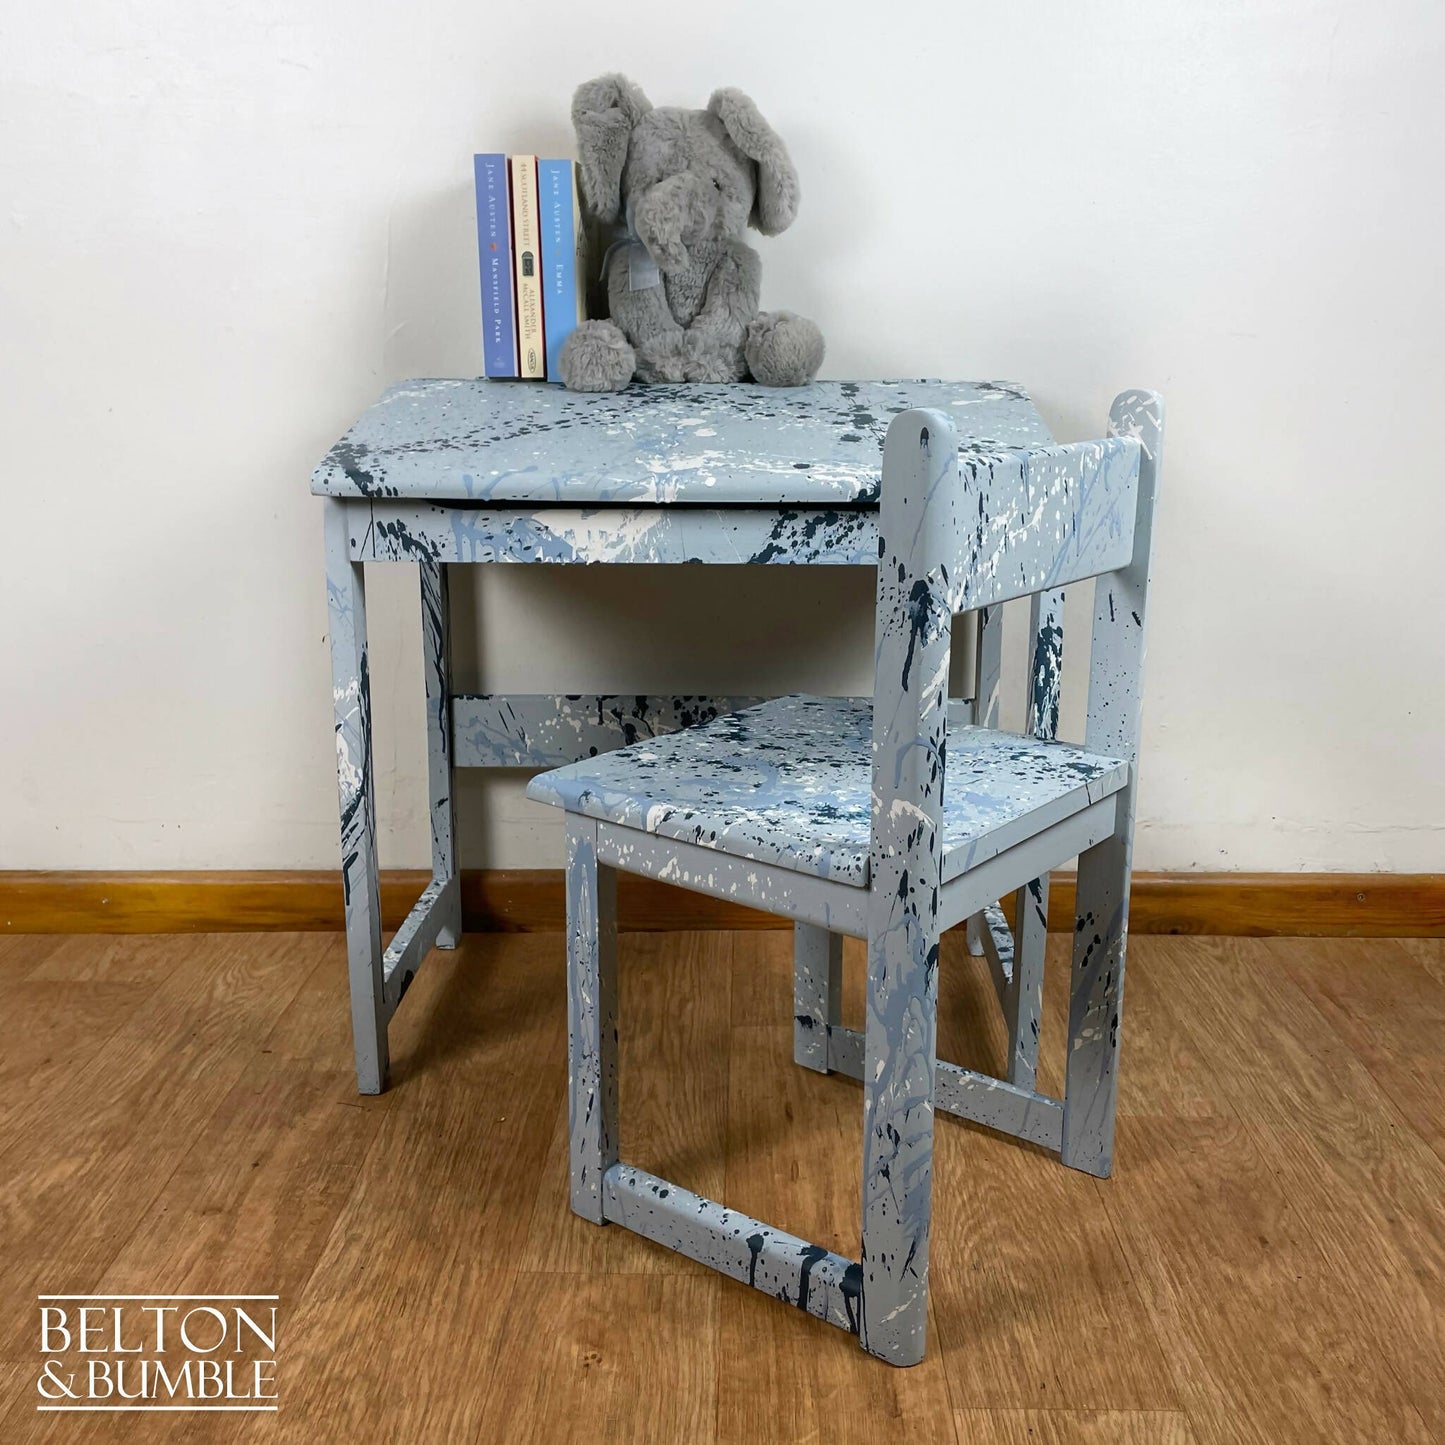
(412,531)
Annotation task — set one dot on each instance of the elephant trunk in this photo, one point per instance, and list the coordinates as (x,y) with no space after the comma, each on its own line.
(673,215)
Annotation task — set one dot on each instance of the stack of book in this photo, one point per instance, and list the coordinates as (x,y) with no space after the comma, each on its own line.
(533,254)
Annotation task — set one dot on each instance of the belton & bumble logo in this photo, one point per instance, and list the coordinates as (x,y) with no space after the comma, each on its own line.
(157,1352)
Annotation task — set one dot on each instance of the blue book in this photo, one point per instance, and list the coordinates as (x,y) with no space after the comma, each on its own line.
(564,258)
(494,246)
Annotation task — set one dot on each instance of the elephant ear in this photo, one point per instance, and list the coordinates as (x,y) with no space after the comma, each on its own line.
(603,114)
(776,204)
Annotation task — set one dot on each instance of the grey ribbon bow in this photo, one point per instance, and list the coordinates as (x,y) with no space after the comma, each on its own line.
(642,272)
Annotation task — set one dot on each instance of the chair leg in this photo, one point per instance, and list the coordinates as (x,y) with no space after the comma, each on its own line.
(351,690)
(591,1017)
(973,934)
(436,663)
(1096,1003)
(1024,1000)
(988,667)
(817,993)
(900,1051)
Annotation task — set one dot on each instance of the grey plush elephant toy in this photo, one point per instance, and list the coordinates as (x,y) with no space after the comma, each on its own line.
(682,287)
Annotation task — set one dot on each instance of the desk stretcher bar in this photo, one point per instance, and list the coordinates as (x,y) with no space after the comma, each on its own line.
(548,730)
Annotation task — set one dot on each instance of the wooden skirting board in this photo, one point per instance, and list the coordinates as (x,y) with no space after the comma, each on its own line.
(1363,905)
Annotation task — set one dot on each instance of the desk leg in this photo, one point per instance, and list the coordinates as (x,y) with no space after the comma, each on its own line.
(817,993)
(436,662)
(987,670)
(351,691)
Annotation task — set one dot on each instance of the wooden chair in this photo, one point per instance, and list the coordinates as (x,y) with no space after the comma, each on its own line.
(783,806)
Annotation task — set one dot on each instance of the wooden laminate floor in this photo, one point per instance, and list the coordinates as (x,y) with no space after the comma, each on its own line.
(1267,1264)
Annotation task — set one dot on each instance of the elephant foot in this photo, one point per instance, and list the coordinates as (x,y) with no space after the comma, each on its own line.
(596,357)
(783,349)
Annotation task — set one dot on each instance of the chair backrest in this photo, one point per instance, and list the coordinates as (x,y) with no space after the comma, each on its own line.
(966,530)
(958,532)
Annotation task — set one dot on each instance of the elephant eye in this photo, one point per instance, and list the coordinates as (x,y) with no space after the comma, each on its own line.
(716,184)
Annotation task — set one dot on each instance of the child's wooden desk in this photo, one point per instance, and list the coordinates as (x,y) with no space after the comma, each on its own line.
(460,471)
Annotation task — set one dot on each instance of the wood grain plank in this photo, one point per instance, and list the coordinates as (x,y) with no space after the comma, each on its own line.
(1286,1069)
(1035,1297)
(478,1069)
(1257,905)
(1073,1427)
(1265,1264)
(794,1156)
(76,1181)
(61,1022)
(18,1399)
(398,1326)
(493,900)
(971,1029)
(188,902)
(89,958)
(20,953)
(1390,1010)
(528,900)
(794,1142)
(1429,953)
(249,1209)
(675,1001)
(1362,1189)
(793,1378)
(584,1358)
(1168,1072)
(246,1208)
(252,1203)
(1246,1307)
(402,1314)
(762,976)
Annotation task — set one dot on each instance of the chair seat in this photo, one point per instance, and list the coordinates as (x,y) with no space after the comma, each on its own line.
(788,783)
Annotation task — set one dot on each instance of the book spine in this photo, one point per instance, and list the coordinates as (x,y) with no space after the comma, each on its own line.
(494,246)
(581,257)
(559,258)
(526,268)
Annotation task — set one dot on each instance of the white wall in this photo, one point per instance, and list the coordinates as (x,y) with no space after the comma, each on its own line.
(225,228)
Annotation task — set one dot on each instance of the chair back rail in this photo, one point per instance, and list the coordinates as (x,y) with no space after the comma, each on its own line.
(957,533)
(1036,519)
(1007,524)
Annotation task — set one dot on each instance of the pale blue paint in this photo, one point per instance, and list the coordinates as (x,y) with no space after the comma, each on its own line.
(789,783)
(516,442)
